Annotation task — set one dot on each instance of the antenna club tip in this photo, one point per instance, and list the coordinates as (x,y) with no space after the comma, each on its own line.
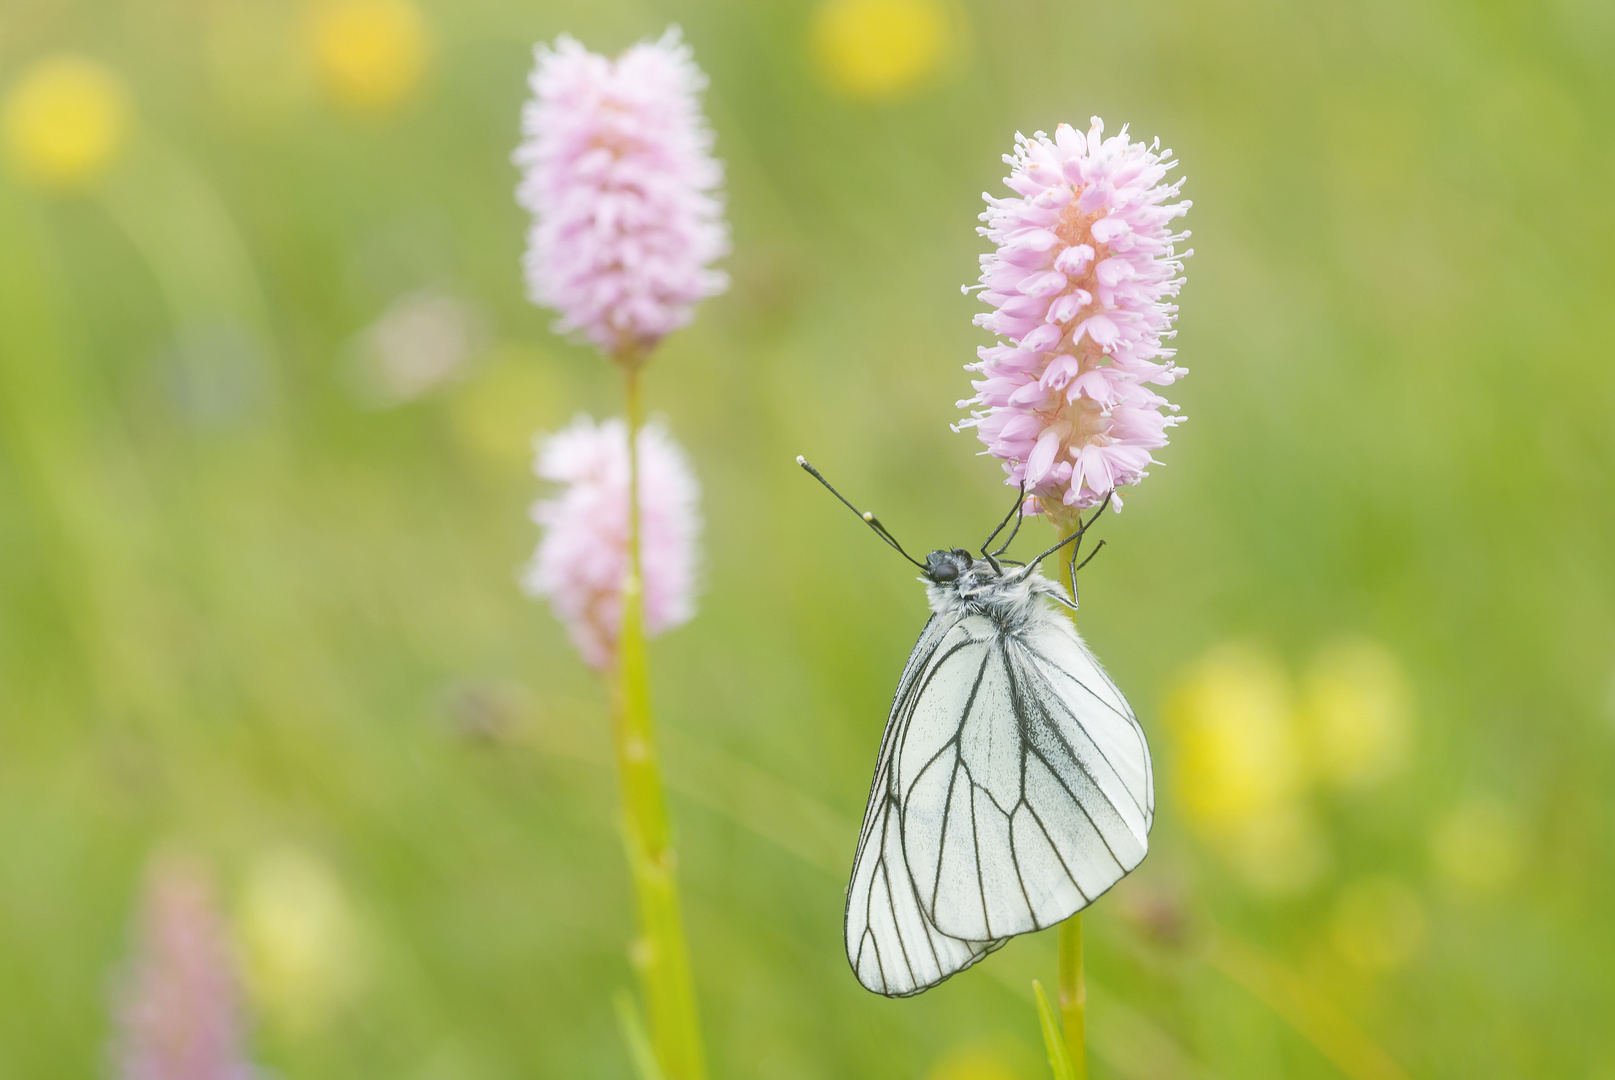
(802,461)
(868,515)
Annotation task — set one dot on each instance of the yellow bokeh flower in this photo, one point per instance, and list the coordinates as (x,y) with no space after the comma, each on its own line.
(299,940)
(881,49)
(1477,845)
(64,121)
(1237,754)
(1378,924)
(1357,712)
(1239,771)
(370,54)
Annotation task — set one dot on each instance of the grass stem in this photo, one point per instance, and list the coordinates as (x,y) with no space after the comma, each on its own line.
(1059,1056)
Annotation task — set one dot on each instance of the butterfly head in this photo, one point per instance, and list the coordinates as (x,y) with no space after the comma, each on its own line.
(948,566)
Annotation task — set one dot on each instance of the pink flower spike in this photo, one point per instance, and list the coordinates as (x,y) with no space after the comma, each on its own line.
(618,172)
(1086,316)
(582,556)
(177,1016)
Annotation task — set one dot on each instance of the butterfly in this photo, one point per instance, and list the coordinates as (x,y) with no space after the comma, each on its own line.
(1013,784)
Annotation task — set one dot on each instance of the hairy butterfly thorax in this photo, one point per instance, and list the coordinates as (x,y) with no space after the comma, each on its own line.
(958,584)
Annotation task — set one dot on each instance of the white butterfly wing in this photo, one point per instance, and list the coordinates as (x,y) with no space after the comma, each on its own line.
(891,943)
(1022,780)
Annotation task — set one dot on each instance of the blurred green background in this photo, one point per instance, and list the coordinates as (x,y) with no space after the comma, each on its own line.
(268,381)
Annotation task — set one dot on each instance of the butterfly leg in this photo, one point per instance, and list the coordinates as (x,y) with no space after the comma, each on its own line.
(1075,566)
(1014,512)
(1012,533)
(1075,549)
(1076,535)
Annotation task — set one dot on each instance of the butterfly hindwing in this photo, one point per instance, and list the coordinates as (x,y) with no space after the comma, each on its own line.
(1022,779)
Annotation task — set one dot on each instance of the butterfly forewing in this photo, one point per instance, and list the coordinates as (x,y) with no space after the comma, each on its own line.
(891,943)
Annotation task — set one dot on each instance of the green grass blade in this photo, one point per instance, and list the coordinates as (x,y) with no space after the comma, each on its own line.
(633,1035)
(1053,1042)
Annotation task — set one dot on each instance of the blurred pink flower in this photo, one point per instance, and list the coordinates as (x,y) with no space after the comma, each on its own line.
(582,556)
(619,175)
(177,1013)
(1080,285)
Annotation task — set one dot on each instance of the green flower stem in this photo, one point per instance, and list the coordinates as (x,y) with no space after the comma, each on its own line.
(660,953)
(1073,996)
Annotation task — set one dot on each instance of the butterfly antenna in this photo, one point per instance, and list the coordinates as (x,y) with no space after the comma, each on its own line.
(866,516)
(1020,500)
(1082,527)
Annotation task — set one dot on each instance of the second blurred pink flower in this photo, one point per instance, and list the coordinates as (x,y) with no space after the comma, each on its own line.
(582,556)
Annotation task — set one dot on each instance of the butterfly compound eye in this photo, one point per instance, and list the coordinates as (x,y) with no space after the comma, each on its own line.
(941,566)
